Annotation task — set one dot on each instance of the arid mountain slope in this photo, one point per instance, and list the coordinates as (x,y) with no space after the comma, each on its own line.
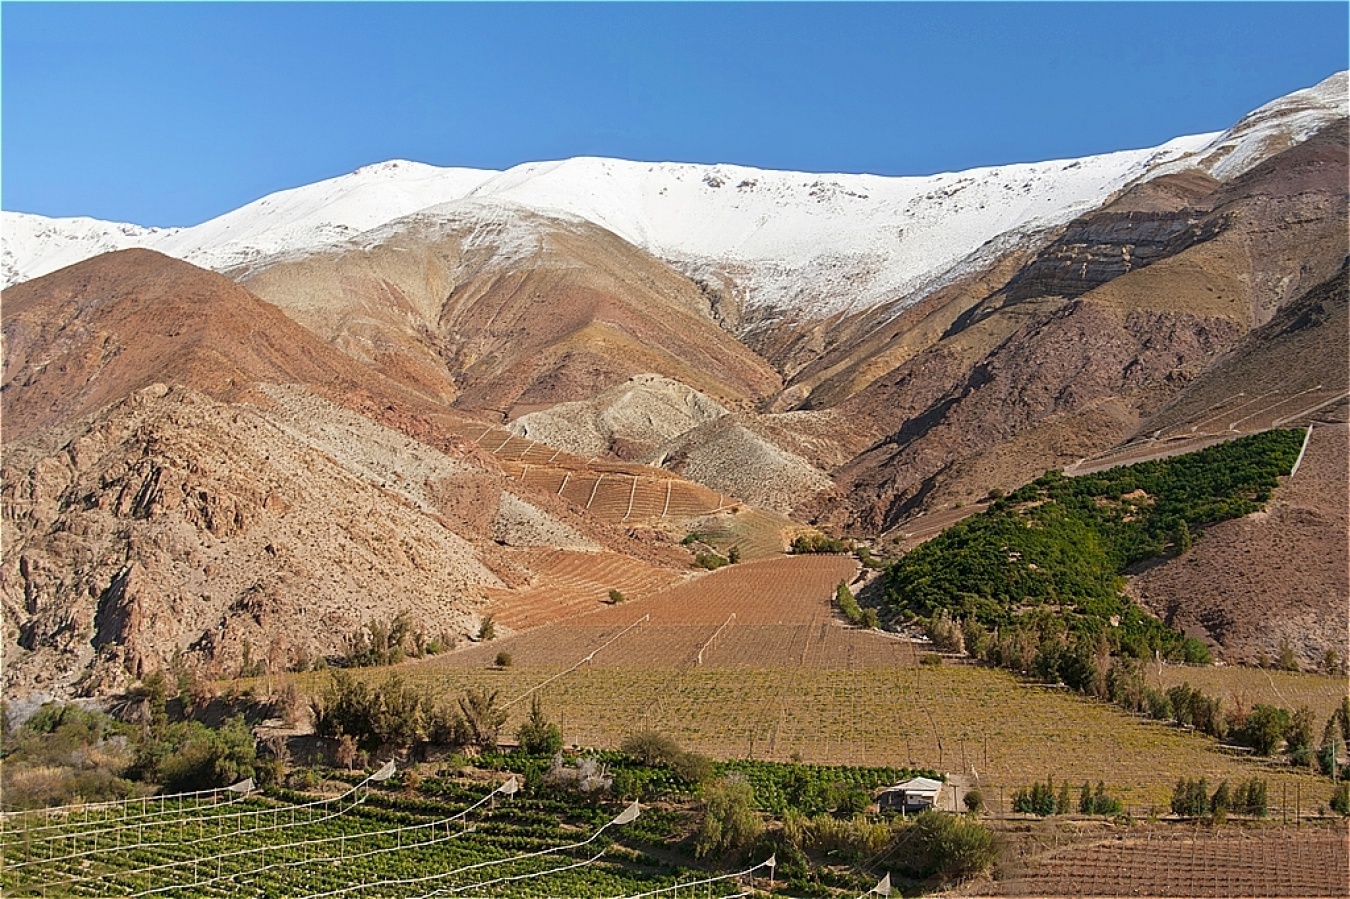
(1277,577)
(1095,334)
(263,496)
(174,523)
(92,333)
(507,310)
(1293,370)
(1281,576)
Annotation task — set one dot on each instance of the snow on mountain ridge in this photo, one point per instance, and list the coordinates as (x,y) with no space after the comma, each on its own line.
(794,243)
(1273,127)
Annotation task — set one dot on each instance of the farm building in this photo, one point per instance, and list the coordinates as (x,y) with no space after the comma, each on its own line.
(913,795)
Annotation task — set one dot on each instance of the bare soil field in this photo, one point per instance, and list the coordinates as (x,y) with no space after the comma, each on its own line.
(610,490)
(1184,861)
(573,583)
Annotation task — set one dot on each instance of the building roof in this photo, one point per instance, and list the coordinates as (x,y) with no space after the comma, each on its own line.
(917,785)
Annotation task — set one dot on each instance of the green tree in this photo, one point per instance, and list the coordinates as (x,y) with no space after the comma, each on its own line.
(1103,803)
(1190,798)
(482,716)
(1063,803)
(1220,802)
(1264,728)
(1181,538)
(1254,798)
(1340,799)
(538,735)
(949,847)
(730,822)
(1298,738)
(203,758)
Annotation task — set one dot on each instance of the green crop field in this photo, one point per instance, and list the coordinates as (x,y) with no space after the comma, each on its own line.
(449,838)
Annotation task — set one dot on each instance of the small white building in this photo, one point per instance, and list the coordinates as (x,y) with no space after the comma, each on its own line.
(913,795)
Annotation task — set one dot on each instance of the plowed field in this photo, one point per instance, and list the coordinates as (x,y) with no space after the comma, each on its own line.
(1224,864)
(573,583)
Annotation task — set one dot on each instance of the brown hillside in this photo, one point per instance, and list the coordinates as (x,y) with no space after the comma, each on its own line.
(264,494)
(1101,330)
(174,523)
(92,333)
(522,310)
(1281,576)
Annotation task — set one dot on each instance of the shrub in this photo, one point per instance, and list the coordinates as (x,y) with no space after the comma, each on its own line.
(654,748)
(651,747)
(848,603)
(487,629)
(730,822)
(377,643)
(945,633)
(709,561)
(949,847)
(392,714)
(503,659)
(819,543)
(1097,802)
(203,758)
(1340,799)
(615,597)
(866,558)
(538,735)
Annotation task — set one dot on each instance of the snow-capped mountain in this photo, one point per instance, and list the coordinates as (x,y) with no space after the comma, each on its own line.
(793,244)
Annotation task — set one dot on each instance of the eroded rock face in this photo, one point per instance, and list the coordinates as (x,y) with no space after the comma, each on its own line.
(629,420)
(1103,247)
(173,524)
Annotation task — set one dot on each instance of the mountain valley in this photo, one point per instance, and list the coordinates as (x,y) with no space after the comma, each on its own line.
(467,395)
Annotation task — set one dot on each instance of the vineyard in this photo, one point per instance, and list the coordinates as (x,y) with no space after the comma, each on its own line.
(751,662)
(449,838)
(571,583)
(1239,687)
(748,665)
(1302,862)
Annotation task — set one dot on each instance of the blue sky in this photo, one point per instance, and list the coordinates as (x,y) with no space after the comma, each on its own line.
(170,114)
